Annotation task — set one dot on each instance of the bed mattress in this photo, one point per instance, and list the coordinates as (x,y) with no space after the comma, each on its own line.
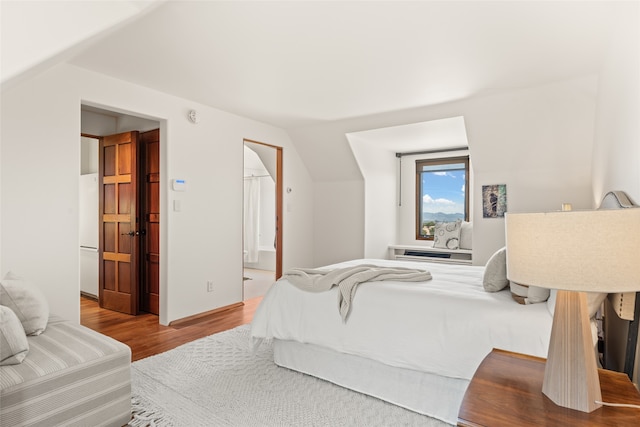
(444,326)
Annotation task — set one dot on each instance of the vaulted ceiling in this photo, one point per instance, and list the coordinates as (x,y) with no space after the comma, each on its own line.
(296,64)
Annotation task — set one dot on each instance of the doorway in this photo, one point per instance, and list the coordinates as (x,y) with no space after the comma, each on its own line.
(262,217)
(120,267)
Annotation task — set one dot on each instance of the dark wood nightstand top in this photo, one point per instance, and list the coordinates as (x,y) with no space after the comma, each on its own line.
(506,390)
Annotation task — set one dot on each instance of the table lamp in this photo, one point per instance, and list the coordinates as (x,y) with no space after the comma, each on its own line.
(574,252)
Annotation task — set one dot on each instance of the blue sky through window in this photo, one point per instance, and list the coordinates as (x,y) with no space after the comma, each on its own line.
(443,191)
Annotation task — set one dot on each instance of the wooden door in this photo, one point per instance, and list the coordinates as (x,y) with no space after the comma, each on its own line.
(150,204)
(119,235)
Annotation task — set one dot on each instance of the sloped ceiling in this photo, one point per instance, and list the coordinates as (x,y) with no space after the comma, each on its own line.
(307,65)
(38,34)
(295,64)
(443,134)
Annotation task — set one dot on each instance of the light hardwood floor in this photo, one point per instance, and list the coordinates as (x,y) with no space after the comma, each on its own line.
(147,337)
(257,282)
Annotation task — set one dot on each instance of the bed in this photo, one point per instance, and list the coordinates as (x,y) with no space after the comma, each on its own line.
(413,344)
(418,344)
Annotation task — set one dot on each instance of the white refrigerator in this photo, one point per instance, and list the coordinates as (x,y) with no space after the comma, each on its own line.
(88,211)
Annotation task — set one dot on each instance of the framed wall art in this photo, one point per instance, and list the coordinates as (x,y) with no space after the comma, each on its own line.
(494,201)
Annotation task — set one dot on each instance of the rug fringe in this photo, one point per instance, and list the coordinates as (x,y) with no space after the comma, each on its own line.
(145,417)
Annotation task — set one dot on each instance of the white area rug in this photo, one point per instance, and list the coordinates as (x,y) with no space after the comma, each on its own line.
(218,381)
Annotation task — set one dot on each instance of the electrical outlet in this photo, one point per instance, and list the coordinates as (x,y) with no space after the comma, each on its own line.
(209,286)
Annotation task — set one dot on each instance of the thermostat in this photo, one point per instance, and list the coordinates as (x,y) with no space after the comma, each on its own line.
(179,185)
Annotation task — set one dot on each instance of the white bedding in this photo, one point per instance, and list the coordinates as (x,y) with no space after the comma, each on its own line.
(445,326)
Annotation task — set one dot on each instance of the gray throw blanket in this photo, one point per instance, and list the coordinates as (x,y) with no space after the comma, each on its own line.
(347,279)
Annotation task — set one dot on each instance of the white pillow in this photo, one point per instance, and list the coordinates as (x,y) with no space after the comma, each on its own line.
(494,278)
(551,301)
(446,235)
(594,300)
(27,302)
(13,341)
(466,235)
(524,294)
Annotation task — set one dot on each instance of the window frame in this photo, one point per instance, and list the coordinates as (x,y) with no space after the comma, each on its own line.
(431,162)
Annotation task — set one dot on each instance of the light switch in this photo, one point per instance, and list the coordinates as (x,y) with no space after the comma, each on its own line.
(177,206)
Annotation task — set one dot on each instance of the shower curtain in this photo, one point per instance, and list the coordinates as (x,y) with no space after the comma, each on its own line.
(251,218)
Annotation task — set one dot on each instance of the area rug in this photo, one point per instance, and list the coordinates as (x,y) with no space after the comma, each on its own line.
(220,381)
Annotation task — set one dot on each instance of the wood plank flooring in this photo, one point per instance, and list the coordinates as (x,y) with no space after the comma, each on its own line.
(147,337)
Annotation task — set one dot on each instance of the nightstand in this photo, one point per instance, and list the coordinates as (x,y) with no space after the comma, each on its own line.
(506,390)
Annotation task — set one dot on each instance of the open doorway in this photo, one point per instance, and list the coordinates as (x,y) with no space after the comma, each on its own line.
(119,259)
(262,235)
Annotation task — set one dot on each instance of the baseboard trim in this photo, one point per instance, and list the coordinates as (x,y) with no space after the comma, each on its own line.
(88,296)
(186,321)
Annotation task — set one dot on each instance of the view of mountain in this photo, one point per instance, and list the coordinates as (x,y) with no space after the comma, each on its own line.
(441,216)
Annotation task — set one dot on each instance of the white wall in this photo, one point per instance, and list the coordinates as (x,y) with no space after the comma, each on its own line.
(40,162)
(337,231)
(538,141)
(96,124)
(378,167)
(616,160)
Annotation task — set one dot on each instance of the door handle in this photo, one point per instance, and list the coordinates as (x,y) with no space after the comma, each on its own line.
(134,233)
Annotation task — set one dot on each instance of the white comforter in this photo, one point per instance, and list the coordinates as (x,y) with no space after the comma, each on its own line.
(444,326)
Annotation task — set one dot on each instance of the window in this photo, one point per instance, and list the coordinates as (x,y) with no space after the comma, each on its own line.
(441,193)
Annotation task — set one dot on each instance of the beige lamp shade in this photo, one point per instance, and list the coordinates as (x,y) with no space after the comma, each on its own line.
(592,250)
